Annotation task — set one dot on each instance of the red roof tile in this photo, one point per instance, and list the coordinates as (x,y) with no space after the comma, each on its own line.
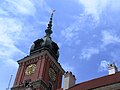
(98,82)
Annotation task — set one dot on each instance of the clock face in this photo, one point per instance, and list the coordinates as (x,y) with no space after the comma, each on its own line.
(30,69)
(52,74)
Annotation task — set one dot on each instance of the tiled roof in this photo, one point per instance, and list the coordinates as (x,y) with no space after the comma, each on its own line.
(98,82)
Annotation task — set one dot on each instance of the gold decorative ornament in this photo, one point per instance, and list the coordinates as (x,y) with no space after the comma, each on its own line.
(30,69)
(52,74)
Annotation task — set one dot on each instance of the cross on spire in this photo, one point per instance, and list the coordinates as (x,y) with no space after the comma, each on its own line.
(48,31)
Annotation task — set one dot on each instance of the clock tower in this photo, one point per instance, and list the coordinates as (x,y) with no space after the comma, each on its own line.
(40,70)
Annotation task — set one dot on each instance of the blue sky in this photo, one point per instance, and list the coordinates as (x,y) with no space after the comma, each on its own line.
(87,32)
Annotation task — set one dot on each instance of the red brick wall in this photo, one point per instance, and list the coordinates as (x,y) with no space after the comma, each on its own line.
(41,72)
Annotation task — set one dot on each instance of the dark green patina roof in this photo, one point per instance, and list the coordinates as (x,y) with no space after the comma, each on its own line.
(46,42)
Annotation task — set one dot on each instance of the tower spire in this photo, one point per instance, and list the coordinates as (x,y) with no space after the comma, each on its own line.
(48,31)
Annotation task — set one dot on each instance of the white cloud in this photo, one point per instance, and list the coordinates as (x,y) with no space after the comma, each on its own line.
(103,65)
(114,5)
(10,63)
(3,12)
(13,29)
(67,67)
(71,33)
(109,38)
(88,52)
(94,7)
(8,51)
(10,30)
(13,15)
(44,5)
(24,7)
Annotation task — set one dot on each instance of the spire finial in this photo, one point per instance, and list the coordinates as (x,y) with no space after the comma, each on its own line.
(49,28)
